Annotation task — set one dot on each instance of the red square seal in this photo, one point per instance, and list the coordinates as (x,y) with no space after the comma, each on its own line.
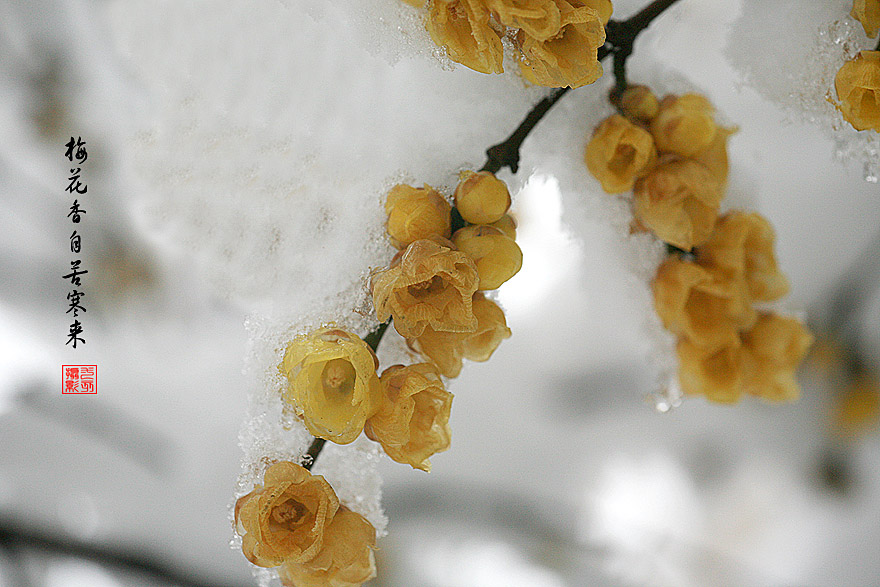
(79,379)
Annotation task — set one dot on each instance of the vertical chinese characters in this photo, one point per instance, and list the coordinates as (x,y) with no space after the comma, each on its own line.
(76,153)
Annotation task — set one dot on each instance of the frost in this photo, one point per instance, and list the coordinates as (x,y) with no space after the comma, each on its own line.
(807,52)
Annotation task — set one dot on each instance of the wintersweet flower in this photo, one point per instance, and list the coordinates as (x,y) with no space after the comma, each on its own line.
(858,88)
(345,559)
(481,198)
(714,158)
(684,125)
(413,423)
(772,351)
(285,518)
(569,58)
(714,373)
(859,408)
(694,303)
(462,26)
(497,256)
(429,284)
(867,12)
(618,152)
(741,249)
(507,225)
(539,18)
(639,103)
(447,349)
(416,213)
(679,201)
(333,383)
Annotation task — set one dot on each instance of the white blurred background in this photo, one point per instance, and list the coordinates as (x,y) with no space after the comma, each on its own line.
(238,153)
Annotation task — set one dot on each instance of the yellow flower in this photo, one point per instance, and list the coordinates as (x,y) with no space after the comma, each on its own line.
(497,256)
(867,12)
(286,517)
(462,26)
(603,7)
(640,103)
(481,198)
(693,302)
(507,225)
(413,423)
(859,408)
(416,213)
(346,559)
(685,125)
(539,18)
(714,158)
(569,58)
(741,248)
(447,349)
(858,89)
(772,351)
(427,284)
(618,152)
(714,373)
(679,201)
(333,383)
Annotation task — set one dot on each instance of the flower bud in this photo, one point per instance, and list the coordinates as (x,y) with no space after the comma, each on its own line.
(497,257)
(684,125)
(462,26)
(773,349)
(618,152)
(639,103)
(693,302)
(859,408)
(416,213)
(413,423)
(858,88)
(427,285)
(679,201)
(507,225)
(481,198)
(332,383)
(867,12)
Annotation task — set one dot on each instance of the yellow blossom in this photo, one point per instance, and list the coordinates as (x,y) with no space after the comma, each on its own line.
(678,200)
(507,225)
(684,125)
(772,351)
(539,18)
(333,383)
(286,517)
(712,372)
(569,58)
(714,158)
(497,256)
(413,423)
(693,302)
(741,248)
(462,26)
(618,152)
(481,198)
(858,89)
(639,103)
(867,12)
(345,560)
(427,284)
(859,408)
(416,213)
(447,349)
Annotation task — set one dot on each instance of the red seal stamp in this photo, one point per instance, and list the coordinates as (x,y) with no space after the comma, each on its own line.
(79,379)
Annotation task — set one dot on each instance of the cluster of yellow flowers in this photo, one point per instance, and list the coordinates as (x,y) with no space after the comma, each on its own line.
(295,521)
(556,40)
(673,156)
(858,82)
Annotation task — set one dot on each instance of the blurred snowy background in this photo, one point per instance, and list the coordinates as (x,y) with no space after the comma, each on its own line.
(239,152)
